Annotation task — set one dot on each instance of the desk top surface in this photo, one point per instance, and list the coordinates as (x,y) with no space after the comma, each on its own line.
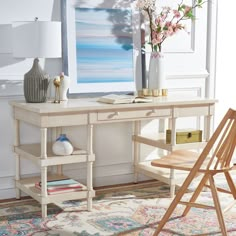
(90,104)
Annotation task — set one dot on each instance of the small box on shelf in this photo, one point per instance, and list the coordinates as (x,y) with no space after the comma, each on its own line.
(185,136)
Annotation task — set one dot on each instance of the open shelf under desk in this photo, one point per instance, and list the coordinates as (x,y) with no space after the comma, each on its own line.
(161,174)
(158,141)
(33,153)
(27,185)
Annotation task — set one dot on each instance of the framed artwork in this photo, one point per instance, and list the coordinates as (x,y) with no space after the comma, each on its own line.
(101,46)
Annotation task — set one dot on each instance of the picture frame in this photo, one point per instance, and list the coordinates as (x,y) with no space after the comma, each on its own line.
(113,31)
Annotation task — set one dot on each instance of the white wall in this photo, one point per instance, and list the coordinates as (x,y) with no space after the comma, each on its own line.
(225,69)
(187,72)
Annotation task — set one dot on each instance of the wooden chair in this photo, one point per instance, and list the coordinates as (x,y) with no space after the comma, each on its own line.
(215,158)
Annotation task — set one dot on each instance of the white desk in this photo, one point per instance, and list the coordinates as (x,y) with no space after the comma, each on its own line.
(88,112)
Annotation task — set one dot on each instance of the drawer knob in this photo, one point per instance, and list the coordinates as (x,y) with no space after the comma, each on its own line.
(153,111)
(114,115)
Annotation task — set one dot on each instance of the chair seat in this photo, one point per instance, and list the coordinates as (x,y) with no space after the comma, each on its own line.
(179,160)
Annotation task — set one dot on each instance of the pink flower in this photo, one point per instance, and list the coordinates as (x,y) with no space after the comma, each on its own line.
(157,38)
(168,22)
(170,31)
(187,9)
(176,13)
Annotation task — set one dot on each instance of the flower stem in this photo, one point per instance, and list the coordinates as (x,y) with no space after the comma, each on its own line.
(150,26)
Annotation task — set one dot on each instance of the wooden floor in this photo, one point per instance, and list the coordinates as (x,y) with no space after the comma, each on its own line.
(127,186)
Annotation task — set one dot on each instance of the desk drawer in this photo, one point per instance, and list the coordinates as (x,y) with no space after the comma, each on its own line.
(65,120)
(139,114)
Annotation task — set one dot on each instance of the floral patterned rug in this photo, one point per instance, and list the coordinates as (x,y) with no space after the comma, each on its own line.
(134,212)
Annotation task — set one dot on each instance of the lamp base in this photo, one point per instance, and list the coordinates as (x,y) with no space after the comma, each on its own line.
(36,84)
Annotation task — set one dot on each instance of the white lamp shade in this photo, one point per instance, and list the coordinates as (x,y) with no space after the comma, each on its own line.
(40,39)
(5,38)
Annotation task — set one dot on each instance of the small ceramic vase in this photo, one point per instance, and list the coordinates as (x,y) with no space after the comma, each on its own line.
(65,83)
(62,146)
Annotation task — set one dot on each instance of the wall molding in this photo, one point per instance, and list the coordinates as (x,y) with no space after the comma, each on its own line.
(11,88)
(211,47)
(201,75)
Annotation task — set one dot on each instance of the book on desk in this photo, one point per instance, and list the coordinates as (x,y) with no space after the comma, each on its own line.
(123,99)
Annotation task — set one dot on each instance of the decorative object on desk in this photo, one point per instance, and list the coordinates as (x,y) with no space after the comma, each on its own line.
(157,77)
(123,99)
(57,84)
(146,92)
(161,26)
(36,83)
(62,146)
(36,39)
(64,86)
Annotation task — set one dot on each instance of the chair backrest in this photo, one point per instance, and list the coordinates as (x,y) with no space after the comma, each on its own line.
(221,145)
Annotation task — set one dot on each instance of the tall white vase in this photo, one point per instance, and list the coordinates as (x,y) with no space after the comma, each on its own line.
(157,76)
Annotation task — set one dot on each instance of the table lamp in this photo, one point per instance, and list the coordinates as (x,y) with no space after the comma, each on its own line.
(36,39)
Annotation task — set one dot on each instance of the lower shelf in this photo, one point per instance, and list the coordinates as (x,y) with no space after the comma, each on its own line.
(27,185)
(160,142)
(162,174)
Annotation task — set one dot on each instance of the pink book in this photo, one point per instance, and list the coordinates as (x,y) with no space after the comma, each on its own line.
(60,190)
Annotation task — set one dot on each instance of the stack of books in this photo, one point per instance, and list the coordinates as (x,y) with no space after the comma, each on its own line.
(61,186)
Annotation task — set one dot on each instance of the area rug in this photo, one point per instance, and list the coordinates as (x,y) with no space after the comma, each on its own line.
(134,212)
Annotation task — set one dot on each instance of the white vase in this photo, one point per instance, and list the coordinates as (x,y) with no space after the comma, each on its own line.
(157,76)
(64,86)
(62,146)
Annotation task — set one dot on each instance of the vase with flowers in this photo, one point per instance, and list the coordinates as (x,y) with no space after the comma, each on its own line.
(163,25)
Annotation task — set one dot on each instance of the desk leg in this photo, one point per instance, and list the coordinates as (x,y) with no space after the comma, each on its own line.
(207,127)
(89,185)
(44,190)
(172,183)
(55,134)
(17,156)
(44,170)
(172,171)
(173,131)
(90,167)
(136,149)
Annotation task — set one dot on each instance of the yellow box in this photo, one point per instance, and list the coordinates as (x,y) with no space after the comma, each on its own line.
(185,136)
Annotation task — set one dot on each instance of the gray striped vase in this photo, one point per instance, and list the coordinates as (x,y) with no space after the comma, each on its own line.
(36,84)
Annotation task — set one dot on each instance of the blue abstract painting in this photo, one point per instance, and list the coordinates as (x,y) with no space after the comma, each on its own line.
(104,45)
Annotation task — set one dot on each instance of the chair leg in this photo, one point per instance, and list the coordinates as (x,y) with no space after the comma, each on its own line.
(217,206)
(173,204)
(196,193)
(231,184)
